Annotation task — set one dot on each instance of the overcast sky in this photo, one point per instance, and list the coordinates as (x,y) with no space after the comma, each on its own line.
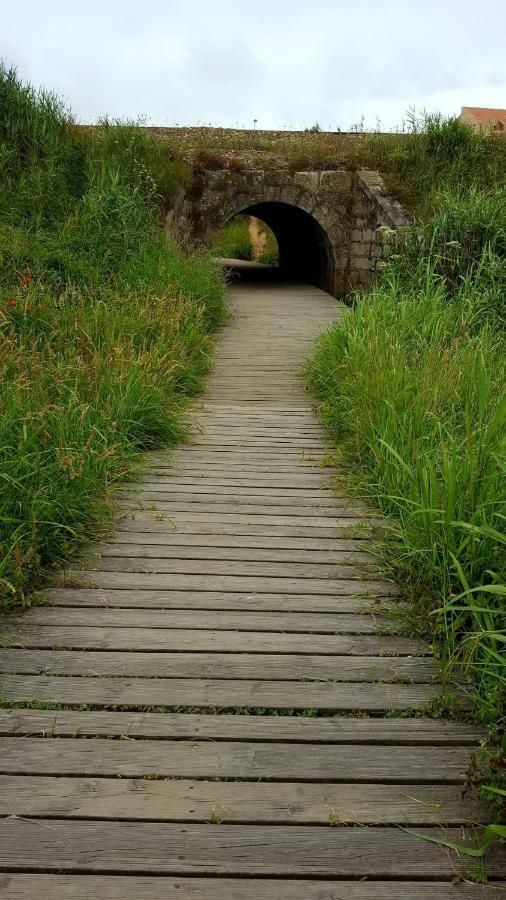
(286,63)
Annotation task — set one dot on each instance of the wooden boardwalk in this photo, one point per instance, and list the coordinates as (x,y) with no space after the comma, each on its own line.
(208,711)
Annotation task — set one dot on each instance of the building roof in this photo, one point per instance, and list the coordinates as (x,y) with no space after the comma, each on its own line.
(486,116)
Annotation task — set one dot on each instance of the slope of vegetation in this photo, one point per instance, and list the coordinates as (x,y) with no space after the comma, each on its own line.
(104,327)
(412,386)
(233,241)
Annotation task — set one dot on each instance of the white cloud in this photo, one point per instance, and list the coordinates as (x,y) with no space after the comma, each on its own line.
(284,62)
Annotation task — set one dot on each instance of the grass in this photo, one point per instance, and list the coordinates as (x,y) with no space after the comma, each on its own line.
(234,241)
(105,328)
(412,388)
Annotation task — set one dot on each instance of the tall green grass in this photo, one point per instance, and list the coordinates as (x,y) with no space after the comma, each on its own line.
(433,152)
(105,328)
(233,240)
(412,384)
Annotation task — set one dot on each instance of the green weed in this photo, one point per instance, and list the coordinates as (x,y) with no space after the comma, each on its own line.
(412,387)
(104,327)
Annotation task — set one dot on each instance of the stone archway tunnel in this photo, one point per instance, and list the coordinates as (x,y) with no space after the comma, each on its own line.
(330,226)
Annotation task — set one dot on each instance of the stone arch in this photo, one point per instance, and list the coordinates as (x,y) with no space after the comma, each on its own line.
(328,223)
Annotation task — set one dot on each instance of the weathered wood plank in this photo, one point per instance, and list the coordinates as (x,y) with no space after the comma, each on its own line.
(232,439)
(296,435)
(312,485)
(328,526)
(295,803)
(234,466)
(237,542)
(295,729)
(234,567)
(223,694)
(208,493)
(415,670)
(102,887)
(154,523)
(228,759)
(167,599)
(194,582)
(214,641)
(318,514)
(160,847)
(219,620)
(222,478)
(314,557)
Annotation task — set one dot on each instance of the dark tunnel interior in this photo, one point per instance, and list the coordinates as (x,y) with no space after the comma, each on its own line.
(305,252)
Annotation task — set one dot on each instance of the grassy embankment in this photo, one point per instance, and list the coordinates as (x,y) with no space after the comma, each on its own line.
(104,327)
(233,241)
(412,387)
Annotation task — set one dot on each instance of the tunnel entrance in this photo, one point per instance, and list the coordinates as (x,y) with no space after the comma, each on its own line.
(304,252)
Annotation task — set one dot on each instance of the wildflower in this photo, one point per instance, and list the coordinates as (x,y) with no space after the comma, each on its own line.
(385,232)
(42,307)
(25,280)
(10,303)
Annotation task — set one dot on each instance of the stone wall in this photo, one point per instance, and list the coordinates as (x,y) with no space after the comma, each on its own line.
(375,216)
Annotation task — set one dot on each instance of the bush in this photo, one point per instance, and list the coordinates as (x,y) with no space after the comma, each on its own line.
(104,327)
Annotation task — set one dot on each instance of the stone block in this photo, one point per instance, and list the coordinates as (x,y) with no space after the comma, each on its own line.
(336,179)
(362,263)
(309,181)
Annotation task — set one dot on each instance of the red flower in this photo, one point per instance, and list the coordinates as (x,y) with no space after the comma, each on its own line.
(42,306)
(10,303)
(26,280)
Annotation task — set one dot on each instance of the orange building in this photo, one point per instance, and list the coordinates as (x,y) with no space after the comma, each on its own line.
(483,119)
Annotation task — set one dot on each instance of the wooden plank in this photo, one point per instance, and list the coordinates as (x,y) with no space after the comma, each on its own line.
(316,514)
(166,639)
(193,550)
(15,886)
(221,478)
(226,567)
(305,496)
(291,433)
(146,599)
(302,623)
(249,501)
(236,467)
(206,801)
(257,454)
(161,523)
(160,847)
(300,420)
(415,670)
(295,729)
(180,517)
(222,694)
(227,759)
(194,582)
(233,439)
(263,542)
